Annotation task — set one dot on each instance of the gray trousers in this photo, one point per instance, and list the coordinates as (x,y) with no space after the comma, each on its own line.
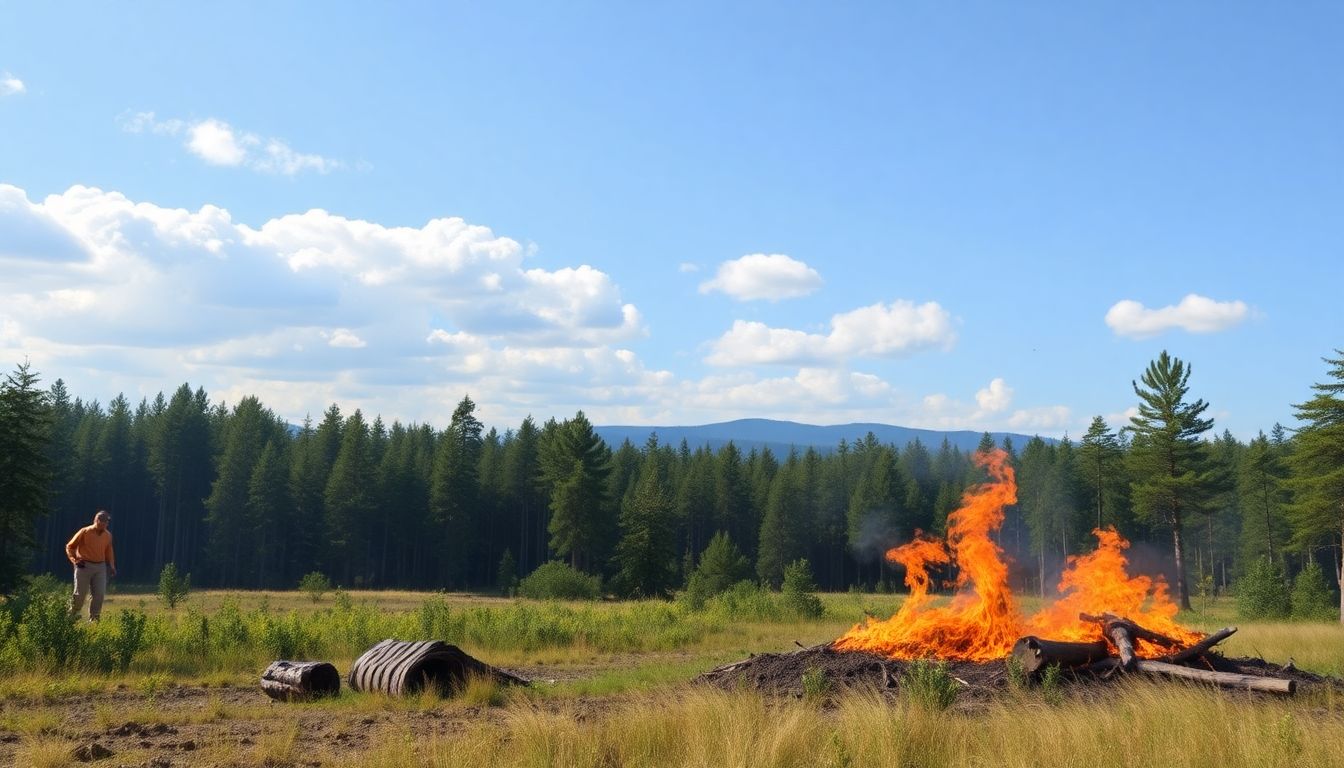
(90,581)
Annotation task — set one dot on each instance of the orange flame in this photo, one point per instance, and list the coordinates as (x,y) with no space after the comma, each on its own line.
(982,621)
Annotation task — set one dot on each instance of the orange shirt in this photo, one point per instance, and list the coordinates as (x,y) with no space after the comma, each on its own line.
(88,544)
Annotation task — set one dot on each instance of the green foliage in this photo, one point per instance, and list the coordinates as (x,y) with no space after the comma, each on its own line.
(721,566)
(928,684)
(557,581)
(49,632)
(646,555)
(815,683)
(25,474)
(1263,592)
(1317,461)
(173,587)
(1169,461)
(315,584)
(800,591)
(1051,677)
(506,575)
(1018,679)
(130,637)
(1312,598)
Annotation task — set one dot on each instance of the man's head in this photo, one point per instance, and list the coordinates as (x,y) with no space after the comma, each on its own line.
(101,520)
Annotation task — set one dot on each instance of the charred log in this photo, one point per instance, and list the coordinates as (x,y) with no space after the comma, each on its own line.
(1034,653)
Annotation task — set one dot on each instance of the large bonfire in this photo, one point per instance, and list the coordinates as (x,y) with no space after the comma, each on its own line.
(982,621)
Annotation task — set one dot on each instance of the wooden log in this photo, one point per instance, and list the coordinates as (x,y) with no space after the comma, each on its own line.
(1033,653)
(1225,679)
(1136,632)
(300,680)
(1119,634)
(1199,649)
(1229,679)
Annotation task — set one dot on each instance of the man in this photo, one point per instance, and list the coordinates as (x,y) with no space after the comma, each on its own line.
(90,551)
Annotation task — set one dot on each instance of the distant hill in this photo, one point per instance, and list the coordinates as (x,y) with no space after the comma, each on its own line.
(780,436)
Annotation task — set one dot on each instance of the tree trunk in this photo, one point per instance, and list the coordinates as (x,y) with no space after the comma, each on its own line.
(1033,653)
(1183,589)
(1339,572)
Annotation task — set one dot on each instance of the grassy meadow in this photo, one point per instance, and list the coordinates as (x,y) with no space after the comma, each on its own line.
(611,690)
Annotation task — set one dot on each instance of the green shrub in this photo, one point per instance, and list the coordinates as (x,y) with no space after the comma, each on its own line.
(815,683)
(49,632)
(721,566)
(745,601)
(800,592)
(130,637)
(506,575)
(315,585)
(1262,593)
(557,581)
(173,588)
(1312,597)
(928,684)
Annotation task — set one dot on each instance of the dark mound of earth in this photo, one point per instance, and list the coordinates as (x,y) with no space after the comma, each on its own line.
(782,674)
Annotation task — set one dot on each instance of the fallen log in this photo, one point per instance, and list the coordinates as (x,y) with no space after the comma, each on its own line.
(1200,648)
(1224,679)
(1034,653)
(300,680)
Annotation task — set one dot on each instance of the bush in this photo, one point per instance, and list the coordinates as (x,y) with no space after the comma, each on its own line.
(506,575)
(800,592)
(721,566)
(315,584)
(1312,598)
(173,588)
(557,581)
(49,632)
(928,684)
(1262,593)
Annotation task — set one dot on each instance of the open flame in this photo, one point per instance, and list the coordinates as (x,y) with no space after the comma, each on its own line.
(982,621)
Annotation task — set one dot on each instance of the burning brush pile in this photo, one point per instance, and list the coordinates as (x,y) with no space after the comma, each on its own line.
(1105,623)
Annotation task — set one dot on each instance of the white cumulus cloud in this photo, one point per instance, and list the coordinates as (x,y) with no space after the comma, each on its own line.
(876,331)
(995,397)
(11,85)
(126,292)
(763,276)
(1195,313)
(219,143)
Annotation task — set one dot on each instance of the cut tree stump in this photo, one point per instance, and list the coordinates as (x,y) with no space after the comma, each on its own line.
(300,680)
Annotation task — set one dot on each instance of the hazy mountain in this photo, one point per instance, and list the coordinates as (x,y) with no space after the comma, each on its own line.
(779,436)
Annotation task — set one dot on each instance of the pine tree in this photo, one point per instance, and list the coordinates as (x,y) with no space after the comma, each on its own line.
(1260,484)
(646,554)
(1317,460)
(348,502)
(25,418)
(267,514)
(785,527)
(1100,463)
(455,491)
(575,465)
(1172,478)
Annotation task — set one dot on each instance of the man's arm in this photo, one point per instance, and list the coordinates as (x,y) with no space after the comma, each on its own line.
(70,546)
(111,556)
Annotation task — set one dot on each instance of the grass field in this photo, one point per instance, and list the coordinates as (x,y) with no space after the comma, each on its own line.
(612,690)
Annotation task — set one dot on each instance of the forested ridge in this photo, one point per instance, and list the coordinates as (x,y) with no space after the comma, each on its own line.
(234,496)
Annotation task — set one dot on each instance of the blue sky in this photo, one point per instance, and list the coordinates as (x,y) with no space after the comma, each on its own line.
(985,217)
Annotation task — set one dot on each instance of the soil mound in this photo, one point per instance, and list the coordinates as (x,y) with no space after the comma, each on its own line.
(782,674)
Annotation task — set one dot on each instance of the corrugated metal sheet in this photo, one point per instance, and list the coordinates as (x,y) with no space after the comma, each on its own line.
(397,667)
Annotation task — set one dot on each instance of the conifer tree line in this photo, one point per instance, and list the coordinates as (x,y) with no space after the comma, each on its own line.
(235,496)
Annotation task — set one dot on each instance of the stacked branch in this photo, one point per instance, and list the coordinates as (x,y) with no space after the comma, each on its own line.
(1120,634)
